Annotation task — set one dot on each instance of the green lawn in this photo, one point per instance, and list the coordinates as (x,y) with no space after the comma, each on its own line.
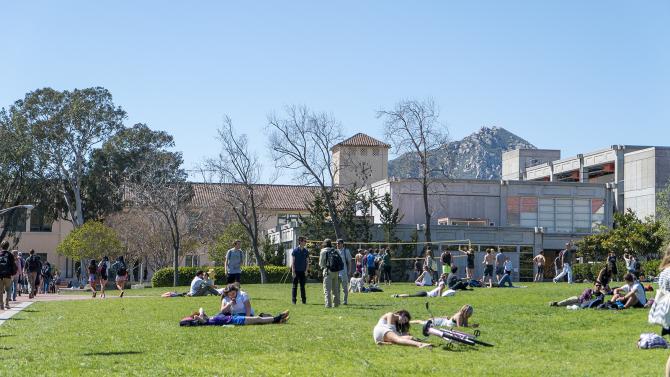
(141,337)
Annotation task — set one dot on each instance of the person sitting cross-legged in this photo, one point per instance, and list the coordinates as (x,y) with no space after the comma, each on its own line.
(199,286)
(631,294)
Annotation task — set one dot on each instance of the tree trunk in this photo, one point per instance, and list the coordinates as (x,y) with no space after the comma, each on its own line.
(175,264)
(259,260)
(427,211)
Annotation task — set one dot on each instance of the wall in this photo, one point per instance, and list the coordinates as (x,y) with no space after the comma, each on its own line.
(361,165)
(640,182)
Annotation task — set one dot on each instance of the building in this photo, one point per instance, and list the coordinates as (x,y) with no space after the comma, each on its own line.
(360,160)
(635,174)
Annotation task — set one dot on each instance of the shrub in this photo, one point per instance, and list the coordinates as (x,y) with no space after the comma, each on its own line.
(250,275)
(650,267)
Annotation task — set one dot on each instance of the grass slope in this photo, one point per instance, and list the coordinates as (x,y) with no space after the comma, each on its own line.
(141,337)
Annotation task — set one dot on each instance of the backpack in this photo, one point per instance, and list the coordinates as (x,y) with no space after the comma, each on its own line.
(651,340)
(7,266)
(593,303)
(334,261)
(121,271)
(33,264)
(46,271)
(637,265)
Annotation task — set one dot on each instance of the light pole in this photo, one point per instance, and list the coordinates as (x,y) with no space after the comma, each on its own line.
(29,207)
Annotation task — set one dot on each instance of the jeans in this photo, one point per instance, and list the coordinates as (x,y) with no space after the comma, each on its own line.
(15,287)
(46,282)
(331,286)
(299,278)
(566,270)
(507,278)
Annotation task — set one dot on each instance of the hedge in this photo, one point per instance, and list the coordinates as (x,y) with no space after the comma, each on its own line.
(250,275)
(589,271)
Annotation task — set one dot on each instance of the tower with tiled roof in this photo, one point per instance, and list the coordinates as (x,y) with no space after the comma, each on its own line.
(360,160)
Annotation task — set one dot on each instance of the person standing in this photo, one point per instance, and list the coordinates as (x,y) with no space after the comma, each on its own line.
(611,262)
(33,266)
(470,266)
(500,268)
(445,258)
(539,261)
(103,272)
(371,266)
(7,270)
(343,280)
(328,262)
(47,274)
(386,266)
(92,276)
(489,261)
(233,263)
(429,262)
(16,278)
(299,268)
(121,274)
(566,261)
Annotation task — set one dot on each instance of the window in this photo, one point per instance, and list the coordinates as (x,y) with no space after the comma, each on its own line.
(364,152)
(288,218)
(521,211)
(192,261)
(39,222)
(15,221)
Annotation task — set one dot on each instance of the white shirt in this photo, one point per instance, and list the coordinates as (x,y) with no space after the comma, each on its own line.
(427,279)
(240,300)
(436,292)
(346,259)
(356,284)
(639,291)
(508,265)
(196,283)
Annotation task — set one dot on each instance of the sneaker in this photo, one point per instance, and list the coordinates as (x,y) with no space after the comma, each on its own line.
(94,294)
(553,303)
(554,280)
(121,295)
(394,296)
(7,306)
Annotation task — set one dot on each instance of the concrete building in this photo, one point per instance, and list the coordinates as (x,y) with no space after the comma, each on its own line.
(360,160)
(635,174)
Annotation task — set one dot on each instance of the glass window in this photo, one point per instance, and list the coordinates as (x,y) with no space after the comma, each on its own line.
(513,203)
(15,221)
(192,260)
(39,221)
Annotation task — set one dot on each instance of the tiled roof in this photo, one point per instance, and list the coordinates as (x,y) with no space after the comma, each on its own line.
(362,140)
(276,197)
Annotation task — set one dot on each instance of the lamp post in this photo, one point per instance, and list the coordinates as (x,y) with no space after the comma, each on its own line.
(29,207)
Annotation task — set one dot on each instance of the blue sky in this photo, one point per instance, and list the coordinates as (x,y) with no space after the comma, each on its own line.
(569,75)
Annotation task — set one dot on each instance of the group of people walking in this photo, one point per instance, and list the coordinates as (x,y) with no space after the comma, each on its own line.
(98,274)
(19,274)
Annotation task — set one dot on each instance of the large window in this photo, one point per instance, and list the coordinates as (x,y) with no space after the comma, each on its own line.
(39,222)
(192,261)
(288,218)
(557,215)
(15,221)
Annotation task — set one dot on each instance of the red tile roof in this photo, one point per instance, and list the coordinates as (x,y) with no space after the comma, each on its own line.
(279,197)
(362,140)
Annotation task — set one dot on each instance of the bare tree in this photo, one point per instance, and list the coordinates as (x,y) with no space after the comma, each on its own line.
(301,142)
(160,185)
(413,127)
(239,172)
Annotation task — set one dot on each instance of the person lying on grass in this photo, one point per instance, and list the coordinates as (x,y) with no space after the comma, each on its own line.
(234,301)
(437,292)
(393,328)
(630,294)
(587,295)
(199,318)
(459,319)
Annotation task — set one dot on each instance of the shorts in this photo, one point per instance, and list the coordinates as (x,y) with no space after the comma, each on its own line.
(446,269)
(380,330)
(104,277)
(91,278)
(225,319)
(638,305)
(120,278)
(471,265)
(500,270)
(233,278)
(359,268)
(540,269)
(488,271)
(372,271)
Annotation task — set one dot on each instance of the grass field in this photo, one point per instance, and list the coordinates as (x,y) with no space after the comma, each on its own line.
(140,336)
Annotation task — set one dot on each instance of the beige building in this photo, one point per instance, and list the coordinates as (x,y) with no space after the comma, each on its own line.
(360,160)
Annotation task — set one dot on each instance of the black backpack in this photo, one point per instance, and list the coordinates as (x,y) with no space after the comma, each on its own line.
(637,266)
(7,266)
(334,261)
(33,264)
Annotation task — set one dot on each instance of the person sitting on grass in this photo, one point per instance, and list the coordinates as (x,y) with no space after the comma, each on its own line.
(587,295)
(426,277)
(604,278)
(356,283)
(199,287)
(459,319)
(393,328)
(454,282)
(236,302)
(199,318)
(507,274)
(437,292)
(631,294)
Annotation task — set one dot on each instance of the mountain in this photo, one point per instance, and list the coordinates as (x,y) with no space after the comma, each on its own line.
(477,156)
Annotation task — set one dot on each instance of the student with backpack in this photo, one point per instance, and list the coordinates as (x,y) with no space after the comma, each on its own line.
(33,266)
(7,270)
(121,274)
(103,273)
(47,275)
(331,264)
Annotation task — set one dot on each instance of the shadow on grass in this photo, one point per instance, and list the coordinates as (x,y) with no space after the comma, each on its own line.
(457,348)
(6,335)
(30,311)
(113,353)
(5,348)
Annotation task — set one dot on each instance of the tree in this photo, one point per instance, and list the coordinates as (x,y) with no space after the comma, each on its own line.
(22,167)
(232,232)
(239,172)
(663,210)
(353,211)
(413,127)
(160,185)
(110,165)
(643,238)
(301,141)
(389,216)
(92,240)
(66,126)
(315,225)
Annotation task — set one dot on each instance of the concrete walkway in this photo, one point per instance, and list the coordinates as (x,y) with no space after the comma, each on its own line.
(15,308)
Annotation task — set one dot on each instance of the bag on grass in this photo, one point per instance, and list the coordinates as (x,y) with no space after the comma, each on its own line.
(659,314)
(475,283)
(651,340)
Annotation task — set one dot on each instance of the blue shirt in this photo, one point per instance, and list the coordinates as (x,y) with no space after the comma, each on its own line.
(371,260)
(300,259)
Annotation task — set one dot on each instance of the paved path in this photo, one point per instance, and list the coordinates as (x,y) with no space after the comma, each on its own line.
(15,308)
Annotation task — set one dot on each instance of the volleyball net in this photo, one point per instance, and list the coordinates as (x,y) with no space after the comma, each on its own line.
(435,246)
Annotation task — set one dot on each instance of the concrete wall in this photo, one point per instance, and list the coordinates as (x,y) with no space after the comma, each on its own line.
(640,182)
(46,242)
(514,163)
